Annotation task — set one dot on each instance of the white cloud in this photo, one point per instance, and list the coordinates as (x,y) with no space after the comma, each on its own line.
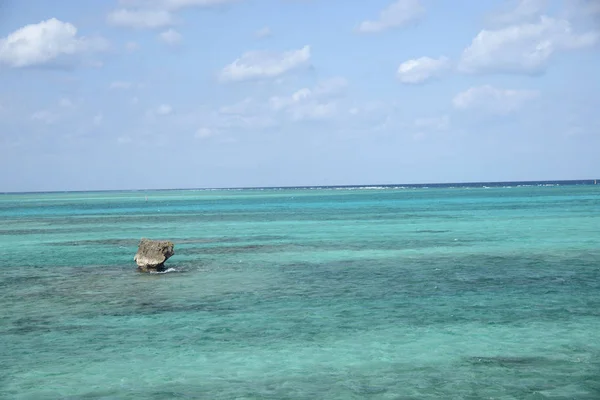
(313,111)
(45,116)
(178,4)
(323,90)
(522,11)
(422,69)
(245,121)
(249,114)
(494,100)
(246,114)
(124,139)
(98,118)
(120,85)
(263,32)
(94,64)
(174,4)
(132,46)
(582,9)
(65,103)
(333,86)
(373,116)
(45,42)
(302,107)
(141,18)
(321,101)
(170,37)
(525,48)
(164,109)
(316,103)
(263,64)
(241,107)
(278,103)
(204,133)
(399,13)
(154,14)
(433,123)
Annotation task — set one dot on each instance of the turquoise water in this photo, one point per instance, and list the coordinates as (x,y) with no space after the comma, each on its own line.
(418,293)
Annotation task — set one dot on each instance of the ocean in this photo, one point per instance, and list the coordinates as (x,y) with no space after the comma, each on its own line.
(472,291)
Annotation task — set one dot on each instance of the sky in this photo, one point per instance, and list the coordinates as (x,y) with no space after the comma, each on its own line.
(150,94)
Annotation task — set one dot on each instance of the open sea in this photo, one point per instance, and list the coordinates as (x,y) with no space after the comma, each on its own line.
(483,291)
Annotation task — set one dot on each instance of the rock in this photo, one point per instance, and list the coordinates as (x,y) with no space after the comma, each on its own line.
(152,254)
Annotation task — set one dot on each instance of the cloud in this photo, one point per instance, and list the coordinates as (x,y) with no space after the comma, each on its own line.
(141,18)
(124,139)
(323,90)
(313,111)
(263,64)
(45,116)
(494,100)
(132,46)
(65,103)
(179,4)
(311,104)
(585,8)
(45,42)
(302,107)
(317,103)
(125,85)
(263,32)
(522,11)
(422,69)
(98,118)
(164,109)
(204,133)
(175,5)
(433,123)
(120,85)
(63,109)
(522,49)
(583,12)
(332,86)
(399,13)
(241,107)
(170,37)
(154,14)
(247,114)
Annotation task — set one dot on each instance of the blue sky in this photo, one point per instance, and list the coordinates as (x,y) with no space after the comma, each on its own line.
(134,94)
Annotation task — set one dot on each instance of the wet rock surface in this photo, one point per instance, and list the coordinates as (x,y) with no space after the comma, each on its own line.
(152,254)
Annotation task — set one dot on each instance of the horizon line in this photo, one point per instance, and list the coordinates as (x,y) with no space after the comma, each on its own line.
(399,185)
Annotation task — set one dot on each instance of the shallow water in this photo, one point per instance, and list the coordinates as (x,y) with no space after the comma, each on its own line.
(415,293)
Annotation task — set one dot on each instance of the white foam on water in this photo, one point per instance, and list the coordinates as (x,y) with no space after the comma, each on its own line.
(165,271)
